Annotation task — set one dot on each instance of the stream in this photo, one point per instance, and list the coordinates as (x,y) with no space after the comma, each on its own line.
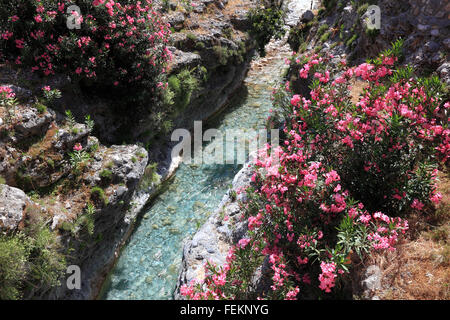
(148,266)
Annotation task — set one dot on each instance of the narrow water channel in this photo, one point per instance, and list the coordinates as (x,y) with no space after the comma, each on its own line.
(148,266)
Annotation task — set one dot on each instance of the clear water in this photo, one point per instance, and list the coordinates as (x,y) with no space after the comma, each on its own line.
(149,265)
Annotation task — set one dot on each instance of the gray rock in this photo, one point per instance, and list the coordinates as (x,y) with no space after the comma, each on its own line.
(31,122)
(240,20)
(307,16)
(432,46)
(121,191)
(13,202)
(67,138)
(128,166)
(199,8)
(181,60)
(446,43)
(372,279)
(422,27)
(435,32)
(176,20)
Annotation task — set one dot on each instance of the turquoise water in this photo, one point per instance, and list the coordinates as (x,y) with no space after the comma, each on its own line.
(148,266)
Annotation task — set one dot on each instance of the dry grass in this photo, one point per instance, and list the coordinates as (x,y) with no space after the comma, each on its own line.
(200,24)
(46,144)
(419,268)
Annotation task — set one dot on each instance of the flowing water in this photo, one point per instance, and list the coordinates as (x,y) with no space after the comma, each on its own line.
(148,266)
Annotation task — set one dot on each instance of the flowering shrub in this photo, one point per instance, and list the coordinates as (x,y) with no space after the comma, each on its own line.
(78,157)
(118,43)
(8,101)
(50,95)
(344,174)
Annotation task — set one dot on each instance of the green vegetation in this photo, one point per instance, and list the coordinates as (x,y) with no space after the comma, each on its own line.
(181,87)
(324,27)
(266,22)
(70,119)
(150,176)
(40,107)
(223,54)
(30,258)
(200,45)
(106,175)
(325,36)
(140,155)
(85,221)
(98,196)
(89,122)
(362,9)
(191,36)
(351,41)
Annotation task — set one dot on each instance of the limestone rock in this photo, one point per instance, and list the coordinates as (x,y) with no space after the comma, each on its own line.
(30,122)
(372,280)
(66,138)
(176,20)
(240,20)
(13,202)
(307,16)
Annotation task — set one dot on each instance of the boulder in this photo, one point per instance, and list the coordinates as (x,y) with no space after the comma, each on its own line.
(67,138)
(13,202)
(30,122)
(372,280)
(307,16)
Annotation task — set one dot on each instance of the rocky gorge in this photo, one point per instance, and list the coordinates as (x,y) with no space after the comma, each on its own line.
(343,34)
(35,144)
(145,201)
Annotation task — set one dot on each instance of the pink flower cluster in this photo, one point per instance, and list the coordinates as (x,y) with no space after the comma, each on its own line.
(6,92)
(110,31)
(328,276)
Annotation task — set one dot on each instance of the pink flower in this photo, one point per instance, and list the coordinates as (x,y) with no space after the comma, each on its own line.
(97,2)
(331,177)
(78,147)
(19,43)
(291,295)
(436,198)
(416,204)
(295,100)
(243,243)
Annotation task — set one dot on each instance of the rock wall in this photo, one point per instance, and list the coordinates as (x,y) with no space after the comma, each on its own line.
(422,24)
(34,157)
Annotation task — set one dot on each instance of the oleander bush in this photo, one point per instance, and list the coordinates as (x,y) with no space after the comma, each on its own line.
(119,44)
(341,182)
